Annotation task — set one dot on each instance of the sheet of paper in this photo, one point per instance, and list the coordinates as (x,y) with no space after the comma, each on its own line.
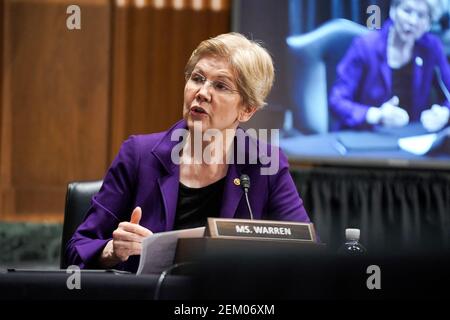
(158,250)
(418,145)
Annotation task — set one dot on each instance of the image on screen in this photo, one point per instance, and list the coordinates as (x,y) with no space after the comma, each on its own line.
(357,82)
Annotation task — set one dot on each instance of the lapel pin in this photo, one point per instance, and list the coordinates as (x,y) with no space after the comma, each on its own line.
(237,181)
(419,61)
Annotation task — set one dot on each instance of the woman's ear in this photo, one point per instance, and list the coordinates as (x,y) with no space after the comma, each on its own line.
(430,24)
(246,113)
(392,13)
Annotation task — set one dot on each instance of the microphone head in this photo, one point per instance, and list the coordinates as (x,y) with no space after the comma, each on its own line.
(245,181)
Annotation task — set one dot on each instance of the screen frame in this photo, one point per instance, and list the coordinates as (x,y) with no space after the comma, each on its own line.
(237,15)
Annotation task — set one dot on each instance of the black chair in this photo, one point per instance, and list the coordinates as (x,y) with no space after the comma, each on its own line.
(78,201)
(314,58)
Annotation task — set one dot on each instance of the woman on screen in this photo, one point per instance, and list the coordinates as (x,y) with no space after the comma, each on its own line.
(386,77)
(158,184)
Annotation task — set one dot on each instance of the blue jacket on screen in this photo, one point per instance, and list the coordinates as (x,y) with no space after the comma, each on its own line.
(364,78)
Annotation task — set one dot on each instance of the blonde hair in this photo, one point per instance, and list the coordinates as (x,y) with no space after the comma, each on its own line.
(433,9)
(251,63)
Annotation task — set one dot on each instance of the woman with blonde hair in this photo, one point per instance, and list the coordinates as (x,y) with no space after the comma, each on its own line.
(386,76)
(155,184)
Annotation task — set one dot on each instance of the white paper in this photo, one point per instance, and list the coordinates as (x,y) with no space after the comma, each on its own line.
(158,250)
(418,145)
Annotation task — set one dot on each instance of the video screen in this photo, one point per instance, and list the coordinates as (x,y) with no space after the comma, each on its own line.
(357,82)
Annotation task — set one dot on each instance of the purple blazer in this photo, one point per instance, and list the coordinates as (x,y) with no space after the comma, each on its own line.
(144,175)
(364,78)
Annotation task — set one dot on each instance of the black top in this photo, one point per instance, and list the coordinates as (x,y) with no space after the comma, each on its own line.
(402,84)
(195,205)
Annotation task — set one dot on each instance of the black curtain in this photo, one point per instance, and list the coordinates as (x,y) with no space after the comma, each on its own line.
(306,15)
(395,209)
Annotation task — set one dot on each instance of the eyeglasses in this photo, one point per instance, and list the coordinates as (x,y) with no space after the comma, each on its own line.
(198,80)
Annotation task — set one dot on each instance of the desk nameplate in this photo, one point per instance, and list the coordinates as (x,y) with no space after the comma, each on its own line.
(261,230)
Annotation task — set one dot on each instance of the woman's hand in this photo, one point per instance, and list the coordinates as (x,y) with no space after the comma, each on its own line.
(127,241)
(389,114)
(435,118)
(392,115)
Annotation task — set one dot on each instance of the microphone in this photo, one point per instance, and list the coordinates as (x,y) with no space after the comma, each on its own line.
(245,183)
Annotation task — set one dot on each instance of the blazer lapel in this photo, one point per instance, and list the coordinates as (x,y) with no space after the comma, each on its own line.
(233,191)
(168,185)
(382,57)
(418,62)
(169,182)
(387,76)
(385,69)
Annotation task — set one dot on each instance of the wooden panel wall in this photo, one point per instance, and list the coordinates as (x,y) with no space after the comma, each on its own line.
(152,43)
(68,98)
(56,102)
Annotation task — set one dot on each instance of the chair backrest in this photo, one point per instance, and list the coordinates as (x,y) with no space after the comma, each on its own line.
(78,201)
(314,57)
